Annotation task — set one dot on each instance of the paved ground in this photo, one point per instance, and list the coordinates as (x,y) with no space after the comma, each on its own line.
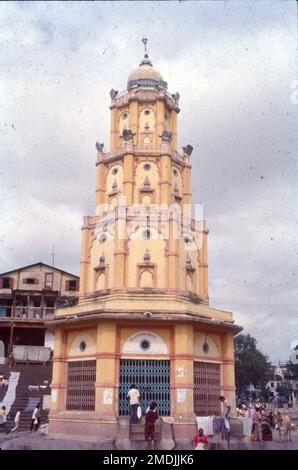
(35,441)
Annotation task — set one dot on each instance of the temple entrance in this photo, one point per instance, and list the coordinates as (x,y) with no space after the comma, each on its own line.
(151,378)
(206,388)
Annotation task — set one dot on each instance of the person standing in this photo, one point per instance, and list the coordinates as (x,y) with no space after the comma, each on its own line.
(3,419)
(226,406)
(150,418)
(257,420)
(225,425)
(16,420)
(35,420)
(133,396)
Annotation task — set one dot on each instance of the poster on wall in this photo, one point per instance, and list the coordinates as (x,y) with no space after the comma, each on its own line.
(181,395)
(54,396)
(180,371)
(108,396)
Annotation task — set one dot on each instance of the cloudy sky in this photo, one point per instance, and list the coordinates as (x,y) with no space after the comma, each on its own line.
(234,64)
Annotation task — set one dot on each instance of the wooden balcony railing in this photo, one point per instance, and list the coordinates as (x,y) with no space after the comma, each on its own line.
(27,312)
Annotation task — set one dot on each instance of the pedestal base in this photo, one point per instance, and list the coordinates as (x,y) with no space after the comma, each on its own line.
(83,428)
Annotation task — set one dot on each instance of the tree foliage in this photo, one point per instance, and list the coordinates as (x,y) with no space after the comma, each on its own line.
(251,365)
(293,369)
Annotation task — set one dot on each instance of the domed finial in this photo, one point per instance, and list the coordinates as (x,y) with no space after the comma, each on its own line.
(144,41)
(146,60)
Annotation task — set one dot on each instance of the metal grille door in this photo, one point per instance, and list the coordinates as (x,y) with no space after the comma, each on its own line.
(81,377)
(151,378)
(206,389)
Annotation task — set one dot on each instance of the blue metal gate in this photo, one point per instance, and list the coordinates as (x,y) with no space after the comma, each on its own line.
(151,378)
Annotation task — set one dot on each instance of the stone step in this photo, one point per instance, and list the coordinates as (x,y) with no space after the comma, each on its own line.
(141,437)
(142,445)
(137,427)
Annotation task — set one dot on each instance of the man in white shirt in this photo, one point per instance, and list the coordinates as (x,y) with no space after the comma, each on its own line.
(133,396)
(16,420)
(35,420)
(226,407)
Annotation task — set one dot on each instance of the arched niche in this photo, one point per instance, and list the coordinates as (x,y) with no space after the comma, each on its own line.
(101,281)
(145,342)
(147,120)
(82,345)
(114,177)
(205,345)
(146,279)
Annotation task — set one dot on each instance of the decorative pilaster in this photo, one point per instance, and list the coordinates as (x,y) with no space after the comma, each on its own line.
(58,376)
(105,387)
(228,369)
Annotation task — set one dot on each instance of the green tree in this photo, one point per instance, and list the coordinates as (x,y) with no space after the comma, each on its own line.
(293,369)
(251,365)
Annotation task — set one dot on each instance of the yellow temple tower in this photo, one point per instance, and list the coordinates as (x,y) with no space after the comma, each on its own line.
(143,314)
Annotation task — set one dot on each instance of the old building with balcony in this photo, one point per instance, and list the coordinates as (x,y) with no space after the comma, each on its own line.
(28,298)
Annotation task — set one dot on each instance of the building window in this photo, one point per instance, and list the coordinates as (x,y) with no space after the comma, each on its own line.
(49,280)
(102,238)
(187,240)
(145,345)
(146,234)
(71,285)
(6,283)
(30,280)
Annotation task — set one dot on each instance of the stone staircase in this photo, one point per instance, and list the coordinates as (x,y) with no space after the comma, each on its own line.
(137,435)
(30,374)
(132,437)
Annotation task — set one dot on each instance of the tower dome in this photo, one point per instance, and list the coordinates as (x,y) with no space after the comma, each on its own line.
(145,76)
(145,71)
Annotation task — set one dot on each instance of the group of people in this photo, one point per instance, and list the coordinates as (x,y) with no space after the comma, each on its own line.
(35,419)
(262,420)
(200,440)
